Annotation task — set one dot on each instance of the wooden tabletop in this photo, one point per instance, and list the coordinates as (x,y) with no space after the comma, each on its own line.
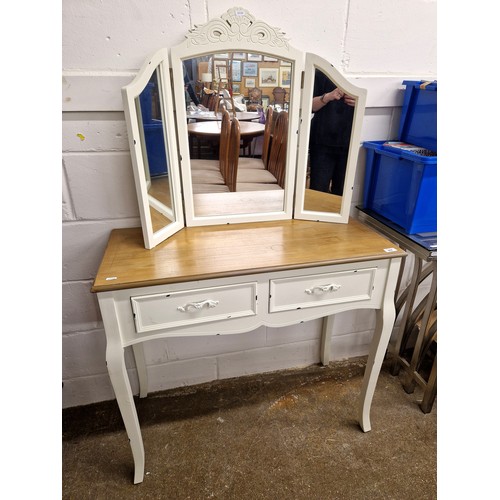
(233,250)
(212,128)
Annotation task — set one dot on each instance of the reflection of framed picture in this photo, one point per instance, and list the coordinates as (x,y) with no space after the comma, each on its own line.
(270,59)
(265,101)
(220,70)
(286,63)
(254,57)
(221,55)
(285,77)
(250,83)
(236,88)
(236,71)
(239,55)
(268,77)
(250,69)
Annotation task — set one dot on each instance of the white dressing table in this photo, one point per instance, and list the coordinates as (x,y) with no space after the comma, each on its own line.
(231,262)
(227,279)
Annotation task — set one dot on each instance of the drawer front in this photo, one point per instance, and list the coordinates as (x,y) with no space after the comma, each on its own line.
(191,307)
(321,289)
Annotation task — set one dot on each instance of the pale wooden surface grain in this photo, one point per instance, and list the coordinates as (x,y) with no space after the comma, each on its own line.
(233,250)
(316,201)
(241,202)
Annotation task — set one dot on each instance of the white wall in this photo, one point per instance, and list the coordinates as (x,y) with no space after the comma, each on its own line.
(377,43)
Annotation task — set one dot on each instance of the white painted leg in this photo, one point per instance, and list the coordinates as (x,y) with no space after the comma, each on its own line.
(326,339)
(125,399)
(115,361)
(383,329)
(142,372)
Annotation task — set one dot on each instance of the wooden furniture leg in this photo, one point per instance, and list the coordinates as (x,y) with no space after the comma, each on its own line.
(409,381)
(406,301)
(430,389)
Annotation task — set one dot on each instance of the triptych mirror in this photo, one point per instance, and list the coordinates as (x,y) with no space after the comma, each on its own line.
(236,80)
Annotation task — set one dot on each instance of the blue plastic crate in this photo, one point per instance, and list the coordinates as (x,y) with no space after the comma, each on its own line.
(153,135)
(418,124)
(401,183)
(155,147)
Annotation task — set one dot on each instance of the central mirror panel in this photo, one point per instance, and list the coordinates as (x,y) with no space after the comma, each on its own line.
(236,83)
(254,89)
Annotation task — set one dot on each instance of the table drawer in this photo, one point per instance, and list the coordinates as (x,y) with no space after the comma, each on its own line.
(321,289)
(191,307)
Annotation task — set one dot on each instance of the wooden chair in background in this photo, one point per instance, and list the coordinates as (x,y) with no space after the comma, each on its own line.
(277,156)
(279,96)
(211,175)
(254,99)
(261,163)
(245,179)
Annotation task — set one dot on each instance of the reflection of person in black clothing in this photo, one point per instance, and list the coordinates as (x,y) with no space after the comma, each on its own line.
(330,134)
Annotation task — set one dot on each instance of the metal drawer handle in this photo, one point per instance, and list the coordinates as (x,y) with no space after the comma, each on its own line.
(323,289)
(190,306)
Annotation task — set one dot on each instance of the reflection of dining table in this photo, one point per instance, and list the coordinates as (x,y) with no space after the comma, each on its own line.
(211,130)
(243,116)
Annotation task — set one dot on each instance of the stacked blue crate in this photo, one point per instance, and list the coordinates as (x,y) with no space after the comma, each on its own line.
(401,176)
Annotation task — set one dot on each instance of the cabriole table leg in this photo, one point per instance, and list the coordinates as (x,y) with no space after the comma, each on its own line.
(385,318)
(115,362)
(123,392)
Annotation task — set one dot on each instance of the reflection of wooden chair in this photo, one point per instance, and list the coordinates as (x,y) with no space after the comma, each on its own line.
(261,162)
(277,156)
(213,101)
(205,97)
(246,179)
(254,99)
(279,96)
(209,99)
(211,175)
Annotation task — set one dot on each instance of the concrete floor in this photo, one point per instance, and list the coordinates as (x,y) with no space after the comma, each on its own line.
(286,435)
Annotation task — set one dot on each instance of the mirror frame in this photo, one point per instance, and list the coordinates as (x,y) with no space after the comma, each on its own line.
(236,31)
(130,93)
(314,62)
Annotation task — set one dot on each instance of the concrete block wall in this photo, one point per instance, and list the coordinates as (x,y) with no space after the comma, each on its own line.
(373,43)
